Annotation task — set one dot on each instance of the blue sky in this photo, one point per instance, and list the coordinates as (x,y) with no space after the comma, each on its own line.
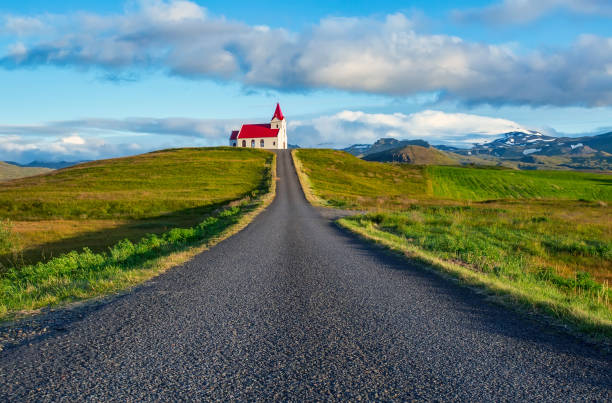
(91,79)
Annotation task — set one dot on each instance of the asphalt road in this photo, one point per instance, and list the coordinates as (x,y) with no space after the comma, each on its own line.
(291,308)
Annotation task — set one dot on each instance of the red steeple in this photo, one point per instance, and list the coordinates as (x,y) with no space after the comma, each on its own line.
(278,113)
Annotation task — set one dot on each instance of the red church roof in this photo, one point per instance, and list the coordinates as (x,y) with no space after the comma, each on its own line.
(256,131)
(278,113)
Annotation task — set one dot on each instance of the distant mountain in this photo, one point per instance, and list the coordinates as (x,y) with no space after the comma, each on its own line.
(519,144)
(449,148)
(383,144)
(10,171)
(602,142)
(519,149)
(48,164)
(534,150)
(358,149)
(413,154)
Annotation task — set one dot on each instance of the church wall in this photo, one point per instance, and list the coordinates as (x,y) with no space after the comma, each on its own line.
(269,142)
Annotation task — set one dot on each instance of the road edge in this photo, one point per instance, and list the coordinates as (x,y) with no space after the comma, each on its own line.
(496,291)
(311,197)
(156,266)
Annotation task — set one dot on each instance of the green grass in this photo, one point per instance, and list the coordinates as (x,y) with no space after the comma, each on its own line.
(217,191)
(7,238)
(466,183)
(143,186)
(97,204)
(541,238)
(78,275)
(578,301)
(346,181)
(343,180)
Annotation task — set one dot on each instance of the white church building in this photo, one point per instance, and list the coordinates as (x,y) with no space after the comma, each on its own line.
(262,135)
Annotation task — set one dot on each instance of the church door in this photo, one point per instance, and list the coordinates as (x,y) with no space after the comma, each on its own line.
(244,143)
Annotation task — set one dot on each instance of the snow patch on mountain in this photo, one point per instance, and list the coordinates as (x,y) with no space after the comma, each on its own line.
(531,151)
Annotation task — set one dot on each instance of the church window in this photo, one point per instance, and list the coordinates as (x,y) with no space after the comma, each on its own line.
(252,143)
(244,143)
(261,143)
(274,143)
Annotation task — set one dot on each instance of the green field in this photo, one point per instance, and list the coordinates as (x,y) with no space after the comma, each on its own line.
(143,186)
(346,181)
(544,238)
(467,183)
(99,227)
(99,203)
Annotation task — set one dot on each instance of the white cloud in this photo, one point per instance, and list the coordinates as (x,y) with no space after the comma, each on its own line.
(383,56)
(209,129)
(350,127)
(523,11)
(22,25)
(17,50)
(74,139)
(173,11)
(25,149)
(104,138)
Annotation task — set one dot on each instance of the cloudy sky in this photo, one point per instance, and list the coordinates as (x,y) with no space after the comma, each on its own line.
(87,79)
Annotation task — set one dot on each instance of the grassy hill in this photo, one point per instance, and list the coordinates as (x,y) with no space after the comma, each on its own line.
(413,154)
(96,204)
(343,180)
(539,239)
(125,211)
(9,171)
(347,181)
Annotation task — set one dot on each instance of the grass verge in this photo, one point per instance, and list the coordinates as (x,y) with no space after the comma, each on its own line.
(538,240)
(81,275)
(581,302)
(305,181)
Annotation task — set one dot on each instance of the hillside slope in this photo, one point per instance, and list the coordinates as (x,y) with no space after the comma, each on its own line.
(384,144)
(413,154)
(350,181)
(9,171)
(97,204)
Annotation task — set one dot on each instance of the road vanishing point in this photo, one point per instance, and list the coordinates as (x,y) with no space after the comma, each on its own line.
(293,308)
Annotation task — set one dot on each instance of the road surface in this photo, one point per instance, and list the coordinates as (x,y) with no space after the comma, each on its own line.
(291,308)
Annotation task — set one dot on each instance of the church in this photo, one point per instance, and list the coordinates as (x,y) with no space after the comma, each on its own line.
(262,135)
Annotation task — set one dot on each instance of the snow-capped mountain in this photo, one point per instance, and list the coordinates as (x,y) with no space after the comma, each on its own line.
(520,144)
(523,149)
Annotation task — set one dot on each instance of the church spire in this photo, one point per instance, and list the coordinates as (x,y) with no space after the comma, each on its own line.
(278,113)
